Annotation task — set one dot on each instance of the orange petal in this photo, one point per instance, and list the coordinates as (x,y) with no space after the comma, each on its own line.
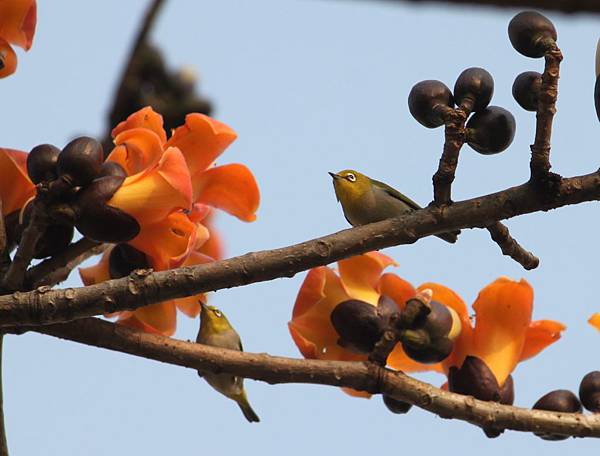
(229,187)
(360,275)
(160,318)
(503,314)
(15,187)
(167,242)
(464,342)
(97,273)
(190,305)
(17,22)
(396,288)
(540,334)
(595,321)
(213,246)
(136,149)
(400,361)
(144,118)
(202,139)
(8,59)
(153,194)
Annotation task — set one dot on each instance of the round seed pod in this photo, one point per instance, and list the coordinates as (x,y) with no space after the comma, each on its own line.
(358,325)
(475,378)
(112,169)
(124,259)
(474,89)
(427,351)
(589,391)
(557,401)
(100,222)
(396,406)
(55,239)
(81,160)
(531,33)
(491,131)
(526,89)
(428,100)
(41,163)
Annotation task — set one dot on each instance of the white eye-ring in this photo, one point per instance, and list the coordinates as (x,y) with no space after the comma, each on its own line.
(351,177)
(218,313)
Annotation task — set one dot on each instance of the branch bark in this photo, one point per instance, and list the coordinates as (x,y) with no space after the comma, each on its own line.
(510,247)
(357,375)
(563,6)
(143,287)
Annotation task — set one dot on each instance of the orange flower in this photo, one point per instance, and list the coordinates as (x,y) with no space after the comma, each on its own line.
(595,321)
(15,186)
(17,27)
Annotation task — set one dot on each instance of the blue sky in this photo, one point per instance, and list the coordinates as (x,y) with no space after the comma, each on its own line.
(310,87)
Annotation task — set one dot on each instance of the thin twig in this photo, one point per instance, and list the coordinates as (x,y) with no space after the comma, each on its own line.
(57,268)
(144,287)
(540,149)
(14,277)
(564,6)
(510,247)
(357,375)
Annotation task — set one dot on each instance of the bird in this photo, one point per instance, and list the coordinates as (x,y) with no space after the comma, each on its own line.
(216,331)
(365,200)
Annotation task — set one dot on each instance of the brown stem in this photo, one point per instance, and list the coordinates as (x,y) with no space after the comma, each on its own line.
(510,247)
(143,287)
(57,268)
(357,375)
(540,149)
(564,6)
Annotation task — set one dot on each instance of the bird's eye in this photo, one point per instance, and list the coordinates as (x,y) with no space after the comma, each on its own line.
(351,177)
(218,313)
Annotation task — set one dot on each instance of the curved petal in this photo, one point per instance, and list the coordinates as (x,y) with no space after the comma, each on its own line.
(394,287)
(595,321)
(231,188)
(539,335)
(190,305)
(167,242)
(152,195)
(360,275)
(17,22)
(8,59)
(97,273)
(144,118)
(201,140)
(136,150)
(400,361)
(502,317)
(213,246)
(158,318)
(463,344)
(15,187)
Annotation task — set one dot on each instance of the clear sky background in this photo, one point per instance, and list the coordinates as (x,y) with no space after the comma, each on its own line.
(310,87)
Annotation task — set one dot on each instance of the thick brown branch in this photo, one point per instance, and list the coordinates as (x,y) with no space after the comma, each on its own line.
(56,269)
(454,134)
(540,149)
(510,247)
(361,376)
(143,287)
(564,6)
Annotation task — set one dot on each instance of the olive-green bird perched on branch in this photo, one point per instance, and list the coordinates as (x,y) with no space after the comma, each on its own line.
(365,200)
(215,330)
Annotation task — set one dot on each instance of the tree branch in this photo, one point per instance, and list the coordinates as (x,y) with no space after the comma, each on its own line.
(510,247)
(564,6)
(143,287)
(357,375)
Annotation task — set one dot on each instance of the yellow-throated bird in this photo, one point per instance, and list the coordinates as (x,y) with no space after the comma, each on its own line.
(365,200)
(215,330)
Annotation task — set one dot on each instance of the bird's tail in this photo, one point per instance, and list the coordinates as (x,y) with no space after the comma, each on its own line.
(450,236)
(250,414)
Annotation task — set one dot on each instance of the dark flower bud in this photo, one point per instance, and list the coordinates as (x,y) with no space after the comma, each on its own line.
(14,229)
(55,239)
(491,131)
(597,97)
(111,168)
(81,160)
(124,259)
(531,33)
(526,89)
(557,401)
(589,391)
(41,163)
(475,378)
(428,100)
(358,325)
(396,406)
(474,89)
(420,347)
(100,222)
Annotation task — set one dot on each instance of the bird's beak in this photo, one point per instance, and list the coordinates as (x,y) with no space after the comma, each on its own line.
(334,175)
